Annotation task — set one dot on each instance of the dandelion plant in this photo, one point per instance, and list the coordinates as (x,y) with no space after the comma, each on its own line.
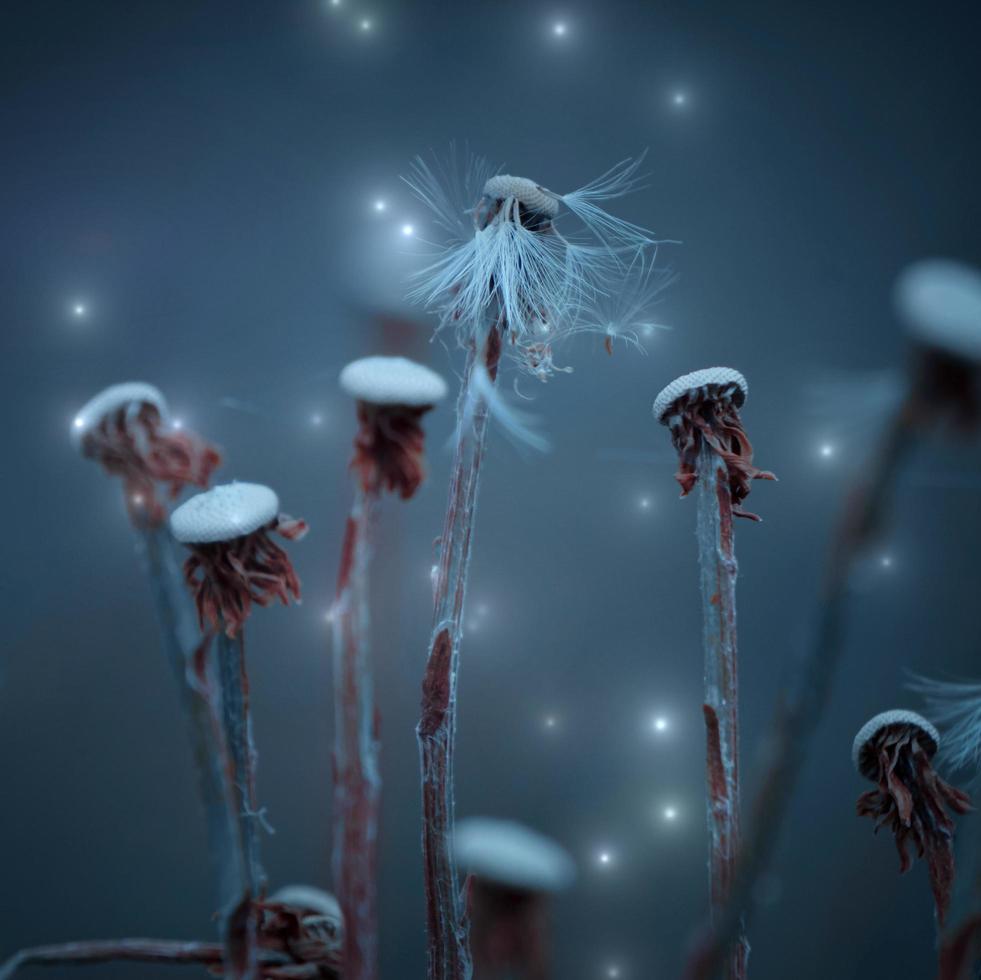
(514,872)
(894,750)
(128,430)
(939,302)
(521,268)
(234,563)
(715,459)
(392,394)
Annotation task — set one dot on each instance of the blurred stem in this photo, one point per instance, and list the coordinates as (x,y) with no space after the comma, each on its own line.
(198,689)
(717,563)
(357,778)
(861,520)
(237,725)
(109,950)
(446,918)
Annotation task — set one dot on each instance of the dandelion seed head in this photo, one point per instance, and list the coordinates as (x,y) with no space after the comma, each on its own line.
(508,260)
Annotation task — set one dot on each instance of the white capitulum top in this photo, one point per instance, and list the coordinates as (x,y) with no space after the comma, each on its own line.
(310,899)
(223,513)
(510,854)
(392,381)
(692,383)
(110,399)
(526,191)
(897,716)
(940,302)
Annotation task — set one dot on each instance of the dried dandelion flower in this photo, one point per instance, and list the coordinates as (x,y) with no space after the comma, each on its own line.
(513,872)
(894,750)
(702,411)
(939,300)
(234,562)
(127,429)
(393,394)
(513,265)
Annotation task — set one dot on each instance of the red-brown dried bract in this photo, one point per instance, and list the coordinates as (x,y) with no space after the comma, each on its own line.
(389,448)
(227,577)
(137,447)
(710,416)
(912,800)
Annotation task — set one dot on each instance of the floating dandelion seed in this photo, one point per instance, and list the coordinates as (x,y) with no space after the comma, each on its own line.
(715,455)
(508,283)
(894,750)
(392,396)
(234,563)
(512,872)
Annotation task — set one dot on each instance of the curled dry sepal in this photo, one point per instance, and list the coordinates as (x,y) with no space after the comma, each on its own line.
(233,561)
(227,577)
(702,409)
(133,441)
(389,448)
(912,800)
(393,394)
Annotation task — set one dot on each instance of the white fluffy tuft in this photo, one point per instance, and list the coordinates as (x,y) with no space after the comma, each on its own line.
(956,708)
(129,395)
(898,716)
(223,513)
(543,282)
(687,384)
(940,301)
(392,381)
(510,854)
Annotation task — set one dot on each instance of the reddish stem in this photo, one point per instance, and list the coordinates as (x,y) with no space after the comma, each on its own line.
(718,585)
(446,918)
(357,778)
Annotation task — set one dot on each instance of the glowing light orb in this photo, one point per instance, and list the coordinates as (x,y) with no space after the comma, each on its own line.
(380,205)
(408,231)
(604,858)
(644,503)
(178,424)
(559,29)
(551,721)
(886,561)
(79,309)
(660,724)
(366,24)
(78,422)
(316,419)
(670,813)
(827,450)
(679,99)
(613,972)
